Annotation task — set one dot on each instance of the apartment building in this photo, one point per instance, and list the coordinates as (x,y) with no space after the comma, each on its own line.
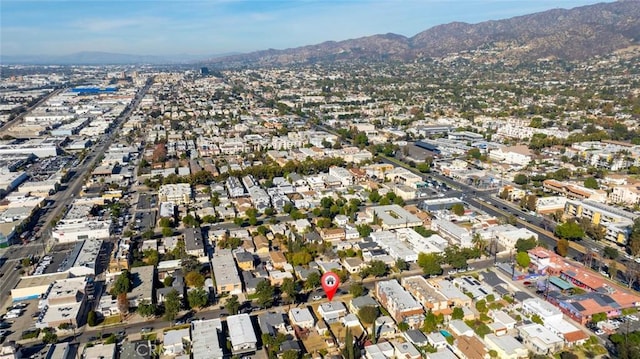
(401,305)
(226,273)
(616,222)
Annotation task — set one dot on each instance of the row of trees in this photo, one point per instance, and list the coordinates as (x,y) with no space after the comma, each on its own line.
(454,256)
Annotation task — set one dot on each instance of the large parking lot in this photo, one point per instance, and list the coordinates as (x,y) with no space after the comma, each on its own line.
(15,326)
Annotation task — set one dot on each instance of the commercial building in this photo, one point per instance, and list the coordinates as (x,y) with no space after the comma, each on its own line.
(32,287)
(78,224)
(241,333)
(393,217)
(402,307)
(45,147)
(63,302)
(83,258)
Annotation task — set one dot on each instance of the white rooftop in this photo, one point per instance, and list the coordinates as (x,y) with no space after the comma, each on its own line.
(241,329)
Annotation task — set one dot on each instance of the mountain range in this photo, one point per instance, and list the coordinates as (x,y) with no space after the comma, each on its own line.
(573,34)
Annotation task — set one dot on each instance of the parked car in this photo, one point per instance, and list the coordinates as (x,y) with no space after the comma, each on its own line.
(146,330)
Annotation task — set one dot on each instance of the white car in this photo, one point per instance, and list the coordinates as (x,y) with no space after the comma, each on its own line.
(632,317)
(316,297)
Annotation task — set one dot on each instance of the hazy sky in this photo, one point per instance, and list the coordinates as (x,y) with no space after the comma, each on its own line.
(164,27)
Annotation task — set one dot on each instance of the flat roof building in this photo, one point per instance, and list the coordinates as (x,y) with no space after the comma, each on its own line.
(225,273)
(241,333)
(394,216)
(205,337)
(399,303)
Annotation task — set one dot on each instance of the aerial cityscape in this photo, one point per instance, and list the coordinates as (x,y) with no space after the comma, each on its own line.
(470,190)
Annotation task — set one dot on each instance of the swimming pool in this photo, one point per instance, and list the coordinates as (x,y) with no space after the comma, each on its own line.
(445,333)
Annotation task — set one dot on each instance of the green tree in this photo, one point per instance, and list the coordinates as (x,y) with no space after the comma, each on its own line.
(50,336)
(194,279)
(610,252)
(569,230)
(265,294)
(368,314)
(122,283)
(168,281)
(356,289)
(148,234)
(634,238)
(430,263)
(233,305)
(313,281)
(562,247)
(301,258)
(291,354)
(525,244)
(374,196)
(167,232)
(377,268)
(431,322)
(92,318)
(403,326)
(423,167)
(165,222)
(111,339)
(457,209)
(401,265)
(523,260)
(536,319)
(599,317)
(364,230)
(458,313)
(520,179)
(190,221)
(198,298)
(591,182)
(151,256)
(481,306)
(146,309)
(613,268)
(349,350)
(289,290)
(171,305)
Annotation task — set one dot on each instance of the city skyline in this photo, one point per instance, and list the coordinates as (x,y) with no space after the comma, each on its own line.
(208,28)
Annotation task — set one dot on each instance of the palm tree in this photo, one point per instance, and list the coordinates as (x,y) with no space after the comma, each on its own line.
(479,242)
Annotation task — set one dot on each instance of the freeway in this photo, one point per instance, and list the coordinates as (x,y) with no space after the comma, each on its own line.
(63,201)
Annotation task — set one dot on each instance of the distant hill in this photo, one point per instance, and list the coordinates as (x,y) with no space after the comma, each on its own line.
(574,34)
(101,58)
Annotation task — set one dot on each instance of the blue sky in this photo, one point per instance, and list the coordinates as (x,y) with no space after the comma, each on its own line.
(169,27)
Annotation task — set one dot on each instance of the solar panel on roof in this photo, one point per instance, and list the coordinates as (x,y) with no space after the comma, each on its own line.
(578,306)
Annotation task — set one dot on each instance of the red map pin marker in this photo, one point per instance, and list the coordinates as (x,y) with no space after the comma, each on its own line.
(330,283)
